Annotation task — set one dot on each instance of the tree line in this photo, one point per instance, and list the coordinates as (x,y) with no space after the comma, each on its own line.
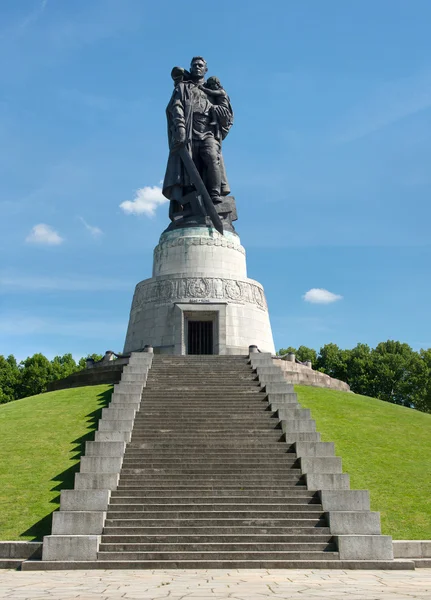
(392,371)
(32,375)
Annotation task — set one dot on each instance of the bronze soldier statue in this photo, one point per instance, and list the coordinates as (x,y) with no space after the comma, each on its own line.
(199,117)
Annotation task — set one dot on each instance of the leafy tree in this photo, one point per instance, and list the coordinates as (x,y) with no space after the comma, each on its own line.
(288,350)
(36,373)
(9,379)
(424,403)
(63,366)
(397,374)
(82,361)
(303,353)
(358,369)
(333,361)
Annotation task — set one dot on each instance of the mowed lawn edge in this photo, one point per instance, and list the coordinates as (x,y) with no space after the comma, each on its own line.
(386,449)
(41,440)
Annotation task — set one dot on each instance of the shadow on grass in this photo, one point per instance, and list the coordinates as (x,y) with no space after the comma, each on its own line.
(66,479)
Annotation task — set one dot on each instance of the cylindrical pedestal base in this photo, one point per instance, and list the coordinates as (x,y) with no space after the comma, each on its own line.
(200,301)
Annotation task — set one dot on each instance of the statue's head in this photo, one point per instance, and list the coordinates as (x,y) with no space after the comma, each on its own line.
(198,67)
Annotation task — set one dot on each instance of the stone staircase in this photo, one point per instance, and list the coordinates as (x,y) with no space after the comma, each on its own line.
(222,469)
(207,480)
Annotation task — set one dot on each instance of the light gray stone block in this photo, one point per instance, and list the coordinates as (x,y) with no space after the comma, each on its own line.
(125,405)
(100,464)
(354,522)
(269,369)
(70,547)
(78,522)
(141,360)
(96,481)
(115,425)
(327,481)
(141,370)
(79,500)
(412,548)
(121,414)
(306,425)
(314,449)
(272,378)
(260,357)
(22,550)
(321,464)
(365,547)
(278,388)
(107,448)
(293,412)
(345,500)
(128,388)
(141,357)
(125,398)
(137,378)
(302,436)
(113,436)
(280,400)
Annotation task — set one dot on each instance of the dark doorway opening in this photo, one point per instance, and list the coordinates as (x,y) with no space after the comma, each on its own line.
(200,337)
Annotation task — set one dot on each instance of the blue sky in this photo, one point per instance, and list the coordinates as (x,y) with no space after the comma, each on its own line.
(329,161)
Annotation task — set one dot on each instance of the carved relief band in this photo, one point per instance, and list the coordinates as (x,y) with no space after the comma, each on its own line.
(198,288)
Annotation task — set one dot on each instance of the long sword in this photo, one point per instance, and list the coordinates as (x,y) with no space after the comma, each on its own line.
(202,191)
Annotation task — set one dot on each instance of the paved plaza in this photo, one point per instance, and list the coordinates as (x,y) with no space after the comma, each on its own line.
(217,584)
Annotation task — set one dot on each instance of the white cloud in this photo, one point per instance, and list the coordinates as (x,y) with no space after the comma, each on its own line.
(321,296)
(44,234)
(146,201)
(95,231)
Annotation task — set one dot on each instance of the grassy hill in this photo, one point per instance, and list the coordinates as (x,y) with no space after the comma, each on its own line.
(42,438)
(385,448)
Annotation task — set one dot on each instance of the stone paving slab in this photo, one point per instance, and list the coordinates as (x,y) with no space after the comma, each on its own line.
(256,584)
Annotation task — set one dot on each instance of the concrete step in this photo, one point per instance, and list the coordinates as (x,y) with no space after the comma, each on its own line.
(11,563)
(229,539)
(240,434)
(421,563)
(182,529)
(218,555)
(207,412)
(215,486)
(279,449)
(136,461)
(211,462)
(216,495)
(179,428)
(169,443)
(224,521)
(261,477)
(256,546)
(138,505)
(204,416)
(120,514)
(202,393)
(205,470)
(218,564)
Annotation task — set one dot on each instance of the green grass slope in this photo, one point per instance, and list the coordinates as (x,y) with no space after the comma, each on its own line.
(41,440)
(386,449)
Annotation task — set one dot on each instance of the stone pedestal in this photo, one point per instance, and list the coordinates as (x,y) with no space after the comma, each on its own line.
(199,275)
